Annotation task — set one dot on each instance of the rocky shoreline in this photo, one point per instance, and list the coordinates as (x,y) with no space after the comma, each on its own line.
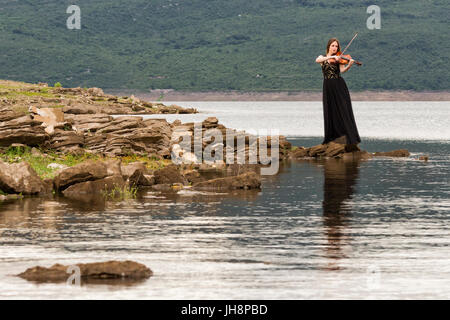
(81,151)
(17,97)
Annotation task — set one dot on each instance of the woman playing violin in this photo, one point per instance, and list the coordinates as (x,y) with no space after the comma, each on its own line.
(339,121)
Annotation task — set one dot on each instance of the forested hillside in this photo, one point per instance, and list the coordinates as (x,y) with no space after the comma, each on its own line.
(197,45)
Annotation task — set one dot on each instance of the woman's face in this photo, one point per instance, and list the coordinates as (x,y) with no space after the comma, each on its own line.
(333,47)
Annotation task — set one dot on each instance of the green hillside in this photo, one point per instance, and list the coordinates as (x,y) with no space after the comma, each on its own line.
(197,45)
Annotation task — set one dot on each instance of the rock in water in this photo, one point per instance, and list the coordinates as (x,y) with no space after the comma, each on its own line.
(395,153)
(100,270)
(86,171)
(246,181)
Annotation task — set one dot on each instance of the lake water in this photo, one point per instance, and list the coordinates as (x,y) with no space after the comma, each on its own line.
(317,230)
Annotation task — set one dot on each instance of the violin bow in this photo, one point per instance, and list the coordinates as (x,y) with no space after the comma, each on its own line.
(350,42)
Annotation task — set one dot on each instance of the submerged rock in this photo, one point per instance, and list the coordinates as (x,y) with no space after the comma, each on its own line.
(394,153)
(88,189)
(169,175)
(336,149)
(99,270)
(249,180)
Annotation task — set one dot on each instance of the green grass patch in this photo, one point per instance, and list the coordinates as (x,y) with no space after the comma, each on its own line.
(151,162)
(17,94)
(121,193)
(40,162)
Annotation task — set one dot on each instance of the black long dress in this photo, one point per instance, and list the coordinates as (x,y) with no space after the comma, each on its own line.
(337,107)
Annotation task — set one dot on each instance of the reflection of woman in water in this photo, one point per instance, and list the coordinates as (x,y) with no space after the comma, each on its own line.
(337,106)
(339,184)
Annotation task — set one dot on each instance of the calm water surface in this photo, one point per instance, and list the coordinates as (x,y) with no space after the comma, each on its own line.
(371,229)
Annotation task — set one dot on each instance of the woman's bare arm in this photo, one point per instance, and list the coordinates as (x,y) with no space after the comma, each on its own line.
(321,58)
(346,67)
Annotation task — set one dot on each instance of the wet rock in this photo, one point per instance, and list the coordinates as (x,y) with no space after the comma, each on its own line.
(6,197)
(356,155)
(394,153)
(333,149)
(20,178)
(317,151)
(168,175)
(147,180)
(87,171)
(299,152)
(424,158)
(162,187)
(136,174)
(89,189)
(193,176)
(249,180)
(100,270)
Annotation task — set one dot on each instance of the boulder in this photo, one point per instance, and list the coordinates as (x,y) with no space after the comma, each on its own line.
(135,173)
(169,175)
(100,270)
(147,180)
(20,178)
(86,171)
(87,190)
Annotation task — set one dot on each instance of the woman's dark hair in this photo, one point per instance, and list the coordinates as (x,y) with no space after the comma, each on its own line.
(330,42)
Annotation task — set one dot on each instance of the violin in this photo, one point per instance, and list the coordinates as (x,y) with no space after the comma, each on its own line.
(344,59)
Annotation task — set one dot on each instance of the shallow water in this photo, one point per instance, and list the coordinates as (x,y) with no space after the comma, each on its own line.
(410,120)
(366,229)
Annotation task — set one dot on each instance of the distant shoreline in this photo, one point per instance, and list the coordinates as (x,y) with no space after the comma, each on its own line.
(172,95)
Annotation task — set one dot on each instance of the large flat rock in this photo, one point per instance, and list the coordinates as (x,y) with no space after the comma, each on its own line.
(99,270)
